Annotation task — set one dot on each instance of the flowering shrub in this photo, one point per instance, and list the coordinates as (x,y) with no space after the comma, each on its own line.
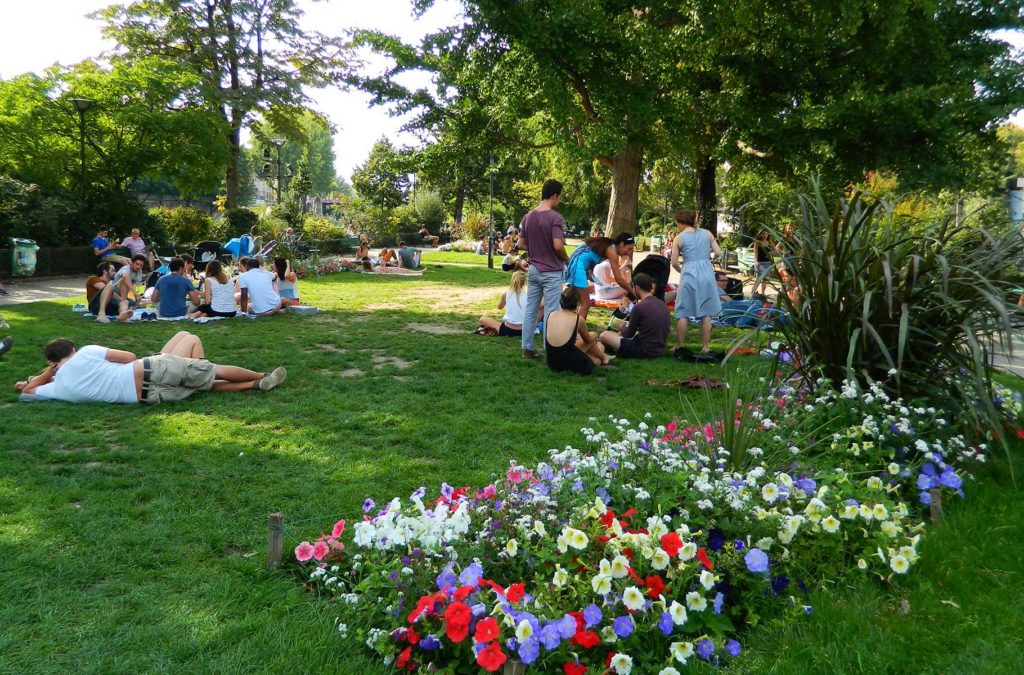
(324,265)
(653,547)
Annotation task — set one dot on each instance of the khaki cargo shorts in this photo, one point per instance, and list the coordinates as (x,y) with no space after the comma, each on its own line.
(167,377)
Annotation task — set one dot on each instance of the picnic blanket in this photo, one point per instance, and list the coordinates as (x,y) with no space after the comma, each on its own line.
(398,271)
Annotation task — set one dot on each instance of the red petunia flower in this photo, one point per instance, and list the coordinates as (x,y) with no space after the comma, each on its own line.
(457,618)
(491,657)
(702,556)
(515,592)
(487,630)
(405,658)
(636,577)
(607,518)
(571,668)
(463,592)
(671,543)
(586,639)
(654,585)
(411,636)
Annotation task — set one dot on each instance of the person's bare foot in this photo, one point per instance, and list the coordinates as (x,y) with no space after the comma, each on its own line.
(607,360)
(704,349)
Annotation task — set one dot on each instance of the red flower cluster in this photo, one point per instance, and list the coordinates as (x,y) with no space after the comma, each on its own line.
(491,657)
(457,617)
(671,543)
(573,668)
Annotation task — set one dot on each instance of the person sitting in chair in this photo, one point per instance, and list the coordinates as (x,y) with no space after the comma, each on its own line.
(96,374)
(103,248)
(425,233)
(736,312)
(136,245)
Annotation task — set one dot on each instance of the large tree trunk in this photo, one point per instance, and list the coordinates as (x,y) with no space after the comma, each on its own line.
(460,202)
(707,195)
(626,168)
(232,177)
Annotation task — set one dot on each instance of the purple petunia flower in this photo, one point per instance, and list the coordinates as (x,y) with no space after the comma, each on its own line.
(925,497)
(471,575)
(368,505)
(447,490)
(529,650)
(739,545)
(418,493)
(446,578)
(756,560)
(550,637)
(665,623)
(779,583)
(577,485)
(623,626)
(717,604)
(732,647)
(716,539)
(705,648)
(511,644)
(592,616)
(567,627)
(430,643)
(603,494)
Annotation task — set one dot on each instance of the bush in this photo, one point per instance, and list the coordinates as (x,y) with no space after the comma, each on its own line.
(185,225)
(876,297)
(475,227)
(321,228)
(235,223)
(430,210)
(407,219)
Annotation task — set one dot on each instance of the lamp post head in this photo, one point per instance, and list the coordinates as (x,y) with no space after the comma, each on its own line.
(278,142)
(82,104)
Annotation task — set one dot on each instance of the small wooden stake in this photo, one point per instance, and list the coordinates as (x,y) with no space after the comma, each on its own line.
(275,540)
(936,505)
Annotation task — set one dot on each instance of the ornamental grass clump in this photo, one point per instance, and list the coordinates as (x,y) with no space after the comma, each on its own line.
(650,549)
(877,297)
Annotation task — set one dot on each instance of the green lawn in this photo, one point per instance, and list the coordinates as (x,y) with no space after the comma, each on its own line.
(430,256)
(133,539)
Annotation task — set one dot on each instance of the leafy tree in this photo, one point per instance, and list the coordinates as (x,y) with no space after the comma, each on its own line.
(382,180)
(430,210)
(248,57)
(309,139)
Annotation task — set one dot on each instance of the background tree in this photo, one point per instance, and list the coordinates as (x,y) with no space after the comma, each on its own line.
(383,180)
(248,57)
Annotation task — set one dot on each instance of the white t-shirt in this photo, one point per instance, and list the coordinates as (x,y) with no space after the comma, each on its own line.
(222,296)
(260,283)
(88,377)
(134,279)
(514,307)
(606,287)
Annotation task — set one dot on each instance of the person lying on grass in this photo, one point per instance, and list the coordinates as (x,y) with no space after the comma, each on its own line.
(646,334)
(96,374)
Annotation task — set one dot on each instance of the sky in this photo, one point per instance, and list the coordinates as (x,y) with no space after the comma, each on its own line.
(35,34)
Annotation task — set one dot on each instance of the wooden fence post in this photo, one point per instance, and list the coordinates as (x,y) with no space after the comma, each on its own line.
(936,505)
(275,540)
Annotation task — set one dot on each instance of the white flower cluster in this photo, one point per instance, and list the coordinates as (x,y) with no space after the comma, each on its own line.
(420,526)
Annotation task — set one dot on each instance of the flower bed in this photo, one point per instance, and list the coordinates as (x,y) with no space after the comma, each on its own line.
(655,547)
(325,265)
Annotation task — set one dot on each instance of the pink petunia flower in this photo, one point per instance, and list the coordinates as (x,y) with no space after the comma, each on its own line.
(304,551)
(339,527)
(319,550)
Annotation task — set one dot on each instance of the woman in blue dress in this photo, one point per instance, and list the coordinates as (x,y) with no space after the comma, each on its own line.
(580,268)
(698,295)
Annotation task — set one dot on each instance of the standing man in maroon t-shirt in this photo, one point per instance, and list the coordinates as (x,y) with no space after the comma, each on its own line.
(542,234)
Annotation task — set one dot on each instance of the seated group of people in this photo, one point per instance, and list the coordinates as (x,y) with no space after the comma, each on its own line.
(117,294)
(403,257)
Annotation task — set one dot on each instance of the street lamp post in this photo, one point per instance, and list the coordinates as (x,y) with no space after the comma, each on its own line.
(490,209)
(268,163)
(81,105)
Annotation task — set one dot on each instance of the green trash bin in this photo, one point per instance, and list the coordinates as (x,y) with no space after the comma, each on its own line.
(23,257)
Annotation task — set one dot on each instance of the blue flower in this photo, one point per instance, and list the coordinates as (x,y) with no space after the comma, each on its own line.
(806,484)
(716,539)
(719,601)
(567,627)
(471,574)
(950,479)
(545,471)
(529,650)
(613,465)
(603,494)
(623,626)
(665,624)
(739,545)
(779,583)
(732,647)
(577,485)
(446,578)
(705,648)
(430,643)
(925,497)
(478,609)
(550,636)
(368,505)
(592,616)
(756,560)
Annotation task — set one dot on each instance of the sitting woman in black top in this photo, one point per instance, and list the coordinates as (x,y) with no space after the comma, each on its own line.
(567,342)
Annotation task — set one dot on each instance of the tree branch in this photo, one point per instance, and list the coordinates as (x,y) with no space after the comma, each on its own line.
(746,149)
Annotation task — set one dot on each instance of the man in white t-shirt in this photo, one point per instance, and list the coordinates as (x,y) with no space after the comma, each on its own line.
(95,374)
(258,295)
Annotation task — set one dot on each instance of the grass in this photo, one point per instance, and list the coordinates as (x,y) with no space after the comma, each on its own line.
(430,256)
(133,538)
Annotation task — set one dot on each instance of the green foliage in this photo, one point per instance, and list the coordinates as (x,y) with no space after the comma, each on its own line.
(406,217)
(382,179)
(320,228)
(475,226)
(875,297)
(27,212)
(185,225)
(235,223)
(288,211)
(430,210)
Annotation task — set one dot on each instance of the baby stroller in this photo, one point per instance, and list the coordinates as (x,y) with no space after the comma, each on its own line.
(209,250)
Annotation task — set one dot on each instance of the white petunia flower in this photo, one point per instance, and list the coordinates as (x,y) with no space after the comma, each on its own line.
(830,524)
(524,630)
(602,584)
(560,578)
(633,598)
(681,651)
(678,613)
(707,580)
(899,564)
(620,566)
(696,602)
(622,664)
(512,548)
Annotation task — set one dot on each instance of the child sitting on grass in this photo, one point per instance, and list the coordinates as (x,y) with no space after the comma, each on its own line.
(513,301)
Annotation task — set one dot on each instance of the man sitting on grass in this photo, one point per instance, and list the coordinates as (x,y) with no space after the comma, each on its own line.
(172,289)
(97,374)
(102,297)
(646,334)
(258,295)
